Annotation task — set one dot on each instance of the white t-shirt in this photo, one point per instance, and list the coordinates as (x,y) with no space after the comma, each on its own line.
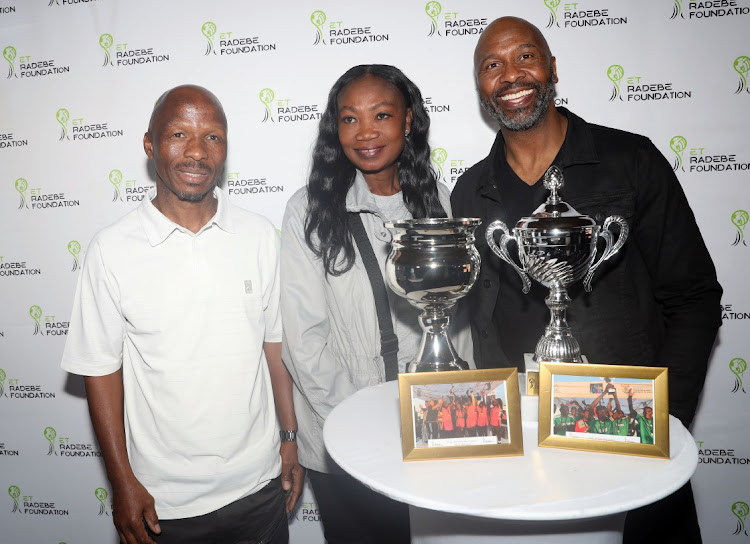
(185,315)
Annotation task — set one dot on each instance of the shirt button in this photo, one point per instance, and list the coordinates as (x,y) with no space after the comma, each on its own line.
(485,334)
(487,283)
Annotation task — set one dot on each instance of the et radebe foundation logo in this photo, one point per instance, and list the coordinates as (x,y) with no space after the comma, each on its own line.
(50,434)
(677,10)
(22,186)
(26,504)
(126,55)
(318,20)
(740,509)
(639,89)
(738,366)
(232,43)
(81,130)
(130,189)
(9,54)
(36,314)
(13,267)
(575,15)
(106,41)
(8,140)
(74,248)
(63,116)
(18,390)
(552,7)
(48,326)
(115,178)
(266,97)
(237,184)
(449,168)
(308,512)
(15,493)
(438,157)
(615,73)
(451,22)
(678,144)
(433,10)
(3,377)
(208,29)
(742,67)
(739,220)
(101,495)
(340,34)
(707,9)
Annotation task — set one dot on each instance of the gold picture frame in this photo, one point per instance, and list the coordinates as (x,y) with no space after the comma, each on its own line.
(567,391)
(425,434)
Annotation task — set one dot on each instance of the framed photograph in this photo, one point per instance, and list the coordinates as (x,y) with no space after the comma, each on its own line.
(466,413)
(604,408)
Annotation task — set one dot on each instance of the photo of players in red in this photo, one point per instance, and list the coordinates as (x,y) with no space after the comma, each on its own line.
(460,414)
(616,409)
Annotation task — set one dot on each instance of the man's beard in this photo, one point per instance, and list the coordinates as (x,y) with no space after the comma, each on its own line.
(545,94)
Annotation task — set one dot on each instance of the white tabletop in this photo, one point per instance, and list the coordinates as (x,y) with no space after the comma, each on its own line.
(362,435)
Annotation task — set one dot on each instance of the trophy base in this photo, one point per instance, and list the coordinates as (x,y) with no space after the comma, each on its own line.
(436,366)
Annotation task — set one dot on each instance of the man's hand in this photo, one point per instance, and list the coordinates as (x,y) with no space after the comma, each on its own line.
(132,505)
(292,474)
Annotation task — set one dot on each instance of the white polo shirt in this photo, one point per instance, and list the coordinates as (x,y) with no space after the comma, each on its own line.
(186,315)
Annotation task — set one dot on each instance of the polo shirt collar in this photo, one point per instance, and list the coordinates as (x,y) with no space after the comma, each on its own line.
(158,227)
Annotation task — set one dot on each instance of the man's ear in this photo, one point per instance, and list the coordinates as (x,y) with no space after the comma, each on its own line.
(148,146)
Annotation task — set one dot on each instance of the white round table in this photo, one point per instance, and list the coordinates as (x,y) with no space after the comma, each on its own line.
(546,495)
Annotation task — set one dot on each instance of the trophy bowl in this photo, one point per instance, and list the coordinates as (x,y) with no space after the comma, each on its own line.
(432,264)
(557,247)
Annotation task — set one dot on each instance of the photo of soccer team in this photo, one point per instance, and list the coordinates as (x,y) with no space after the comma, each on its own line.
(615,409)
(460,414)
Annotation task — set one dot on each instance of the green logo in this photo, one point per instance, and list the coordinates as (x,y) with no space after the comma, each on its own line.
(3,376)
(62,117)
(433,10)
(101,495)
(10,55)
(115,178)
(740,510)
(678,144)
(21,186)
(105,42)
(74,248)
(677,10)
(739,220)
(318,19)
(36,314)
(615,73)
(266,97)
(209,31)
(14,493)
(738,367)
(439,156)
(552,7)
(50,434)
(742,67)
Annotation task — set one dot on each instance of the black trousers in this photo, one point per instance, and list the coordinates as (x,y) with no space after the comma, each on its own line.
(670,520)
(259,518)
(352,513)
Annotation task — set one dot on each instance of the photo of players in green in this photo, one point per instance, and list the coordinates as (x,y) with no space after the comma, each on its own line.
(615,409)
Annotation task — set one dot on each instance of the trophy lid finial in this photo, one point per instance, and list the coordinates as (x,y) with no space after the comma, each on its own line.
(553,180)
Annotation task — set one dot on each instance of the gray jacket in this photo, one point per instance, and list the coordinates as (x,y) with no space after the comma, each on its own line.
(331,340)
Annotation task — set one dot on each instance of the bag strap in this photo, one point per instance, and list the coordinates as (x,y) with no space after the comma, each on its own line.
(388,339)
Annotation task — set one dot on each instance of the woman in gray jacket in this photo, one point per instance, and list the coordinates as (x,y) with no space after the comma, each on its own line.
(371,158)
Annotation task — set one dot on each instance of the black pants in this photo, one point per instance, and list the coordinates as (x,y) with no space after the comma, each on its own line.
(352,513)
(259,518)
(670,520)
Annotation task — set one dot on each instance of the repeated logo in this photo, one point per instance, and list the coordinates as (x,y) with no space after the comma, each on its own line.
(101,495)
(7,9)
(50,434)
(449,169)
(340,34)
(30,68)
(308,512)
(739,220)
(17,390)
(15,268)
(126,55)
(703,159)
(63,447)
(433,107)
(729,313)
(40,200)
(637,89)
(738,366)
(740,509)
(239,185)
(3,377)
(7,452)
(742,67)
(439,156)
(8,140)
(452,25)
(132,190)
(68,3)
(707,9)
(286,110)
(230,44)
(678,144)
(83,131)
(723,455)
(575,15)
(74,248)
(27,505)
(47,325)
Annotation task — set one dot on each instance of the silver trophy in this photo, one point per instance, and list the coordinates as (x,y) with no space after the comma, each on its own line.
(432,264)
(557,247)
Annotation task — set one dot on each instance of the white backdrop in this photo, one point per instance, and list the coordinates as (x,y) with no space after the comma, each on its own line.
(82,76)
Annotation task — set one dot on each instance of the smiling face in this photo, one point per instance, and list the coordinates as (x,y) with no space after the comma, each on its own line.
(516,73)
(372,121)
(187,138)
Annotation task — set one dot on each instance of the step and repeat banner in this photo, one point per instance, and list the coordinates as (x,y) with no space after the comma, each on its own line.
(78,79)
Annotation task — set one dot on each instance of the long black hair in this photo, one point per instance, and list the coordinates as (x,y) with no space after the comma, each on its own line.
(332,174)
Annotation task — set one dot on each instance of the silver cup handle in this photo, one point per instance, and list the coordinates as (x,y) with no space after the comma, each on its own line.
(501,249)
(610,248)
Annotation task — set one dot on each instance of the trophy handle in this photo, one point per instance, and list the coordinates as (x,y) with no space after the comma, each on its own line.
(610,248)
(501,249)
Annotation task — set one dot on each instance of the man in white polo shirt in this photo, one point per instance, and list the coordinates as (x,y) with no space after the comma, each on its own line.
(176,328)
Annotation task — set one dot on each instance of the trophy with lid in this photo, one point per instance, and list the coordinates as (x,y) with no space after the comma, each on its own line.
(557,247)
